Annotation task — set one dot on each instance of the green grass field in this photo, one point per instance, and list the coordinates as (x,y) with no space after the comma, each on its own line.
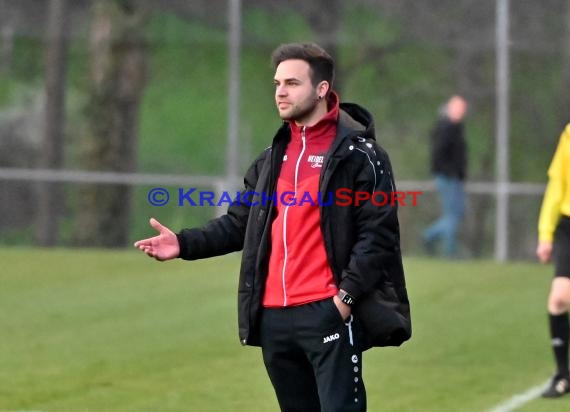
(92,331)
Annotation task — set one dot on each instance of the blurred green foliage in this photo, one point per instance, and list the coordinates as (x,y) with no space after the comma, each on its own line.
(183,119)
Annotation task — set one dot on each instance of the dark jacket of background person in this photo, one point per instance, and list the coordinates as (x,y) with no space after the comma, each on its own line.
(448,149)
(362,243)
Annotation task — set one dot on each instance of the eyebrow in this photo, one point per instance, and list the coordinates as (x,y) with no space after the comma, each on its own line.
(287,80)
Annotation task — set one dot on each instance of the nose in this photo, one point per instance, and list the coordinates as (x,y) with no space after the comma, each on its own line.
(280,90)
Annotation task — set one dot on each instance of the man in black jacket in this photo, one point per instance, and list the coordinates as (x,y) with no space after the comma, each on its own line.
(448,165)
(321,277)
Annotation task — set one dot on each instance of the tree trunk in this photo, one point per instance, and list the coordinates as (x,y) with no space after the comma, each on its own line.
(118,62)
(6,36)
(50,195)
(565,71)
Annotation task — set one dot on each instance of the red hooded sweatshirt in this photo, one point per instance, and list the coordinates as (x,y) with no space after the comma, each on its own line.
(299,271)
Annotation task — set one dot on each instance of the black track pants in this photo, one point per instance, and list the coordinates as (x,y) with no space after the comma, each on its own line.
(313,358)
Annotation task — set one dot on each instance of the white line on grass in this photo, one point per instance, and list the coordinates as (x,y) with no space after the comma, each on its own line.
(520,399)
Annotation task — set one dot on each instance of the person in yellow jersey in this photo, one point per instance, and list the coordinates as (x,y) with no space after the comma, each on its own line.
(554,244)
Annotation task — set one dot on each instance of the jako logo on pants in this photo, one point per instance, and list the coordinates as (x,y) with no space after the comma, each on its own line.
(330,338)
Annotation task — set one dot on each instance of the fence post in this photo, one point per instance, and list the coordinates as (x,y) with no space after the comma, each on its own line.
(502,131)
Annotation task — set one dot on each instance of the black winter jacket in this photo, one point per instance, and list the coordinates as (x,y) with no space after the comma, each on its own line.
(362,242)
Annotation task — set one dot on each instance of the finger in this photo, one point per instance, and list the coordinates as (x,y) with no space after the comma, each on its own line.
(142,243)
(157,226)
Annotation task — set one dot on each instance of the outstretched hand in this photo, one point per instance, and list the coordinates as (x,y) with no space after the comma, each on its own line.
(164,246)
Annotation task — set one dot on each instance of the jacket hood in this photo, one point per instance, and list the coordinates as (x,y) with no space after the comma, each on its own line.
(353,117)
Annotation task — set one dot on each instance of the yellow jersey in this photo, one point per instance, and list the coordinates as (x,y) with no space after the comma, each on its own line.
(556,200)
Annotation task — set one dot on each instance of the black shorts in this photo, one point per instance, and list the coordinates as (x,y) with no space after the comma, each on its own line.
(562,248)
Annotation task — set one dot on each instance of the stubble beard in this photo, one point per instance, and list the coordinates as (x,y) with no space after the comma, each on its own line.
(300,112)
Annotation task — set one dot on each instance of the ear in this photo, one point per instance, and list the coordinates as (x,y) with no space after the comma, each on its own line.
(323,88)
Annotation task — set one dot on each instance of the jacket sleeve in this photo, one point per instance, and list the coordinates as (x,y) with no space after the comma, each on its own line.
(377,245)
(224,234)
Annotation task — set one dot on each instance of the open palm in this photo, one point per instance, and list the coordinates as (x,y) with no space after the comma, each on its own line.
(164,246)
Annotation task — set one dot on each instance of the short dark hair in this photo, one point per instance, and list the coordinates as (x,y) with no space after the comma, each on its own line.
(320,62)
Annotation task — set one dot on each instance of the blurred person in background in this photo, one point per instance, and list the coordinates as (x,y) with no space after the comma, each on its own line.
(554,242)
(449,167)
(313,277)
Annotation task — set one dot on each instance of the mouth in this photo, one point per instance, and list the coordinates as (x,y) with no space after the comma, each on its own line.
(283,105)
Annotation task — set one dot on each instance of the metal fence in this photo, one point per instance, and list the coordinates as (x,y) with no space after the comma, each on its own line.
(399,59)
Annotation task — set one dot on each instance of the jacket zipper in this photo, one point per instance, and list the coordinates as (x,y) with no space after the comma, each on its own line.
(286,213)
(329,166)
